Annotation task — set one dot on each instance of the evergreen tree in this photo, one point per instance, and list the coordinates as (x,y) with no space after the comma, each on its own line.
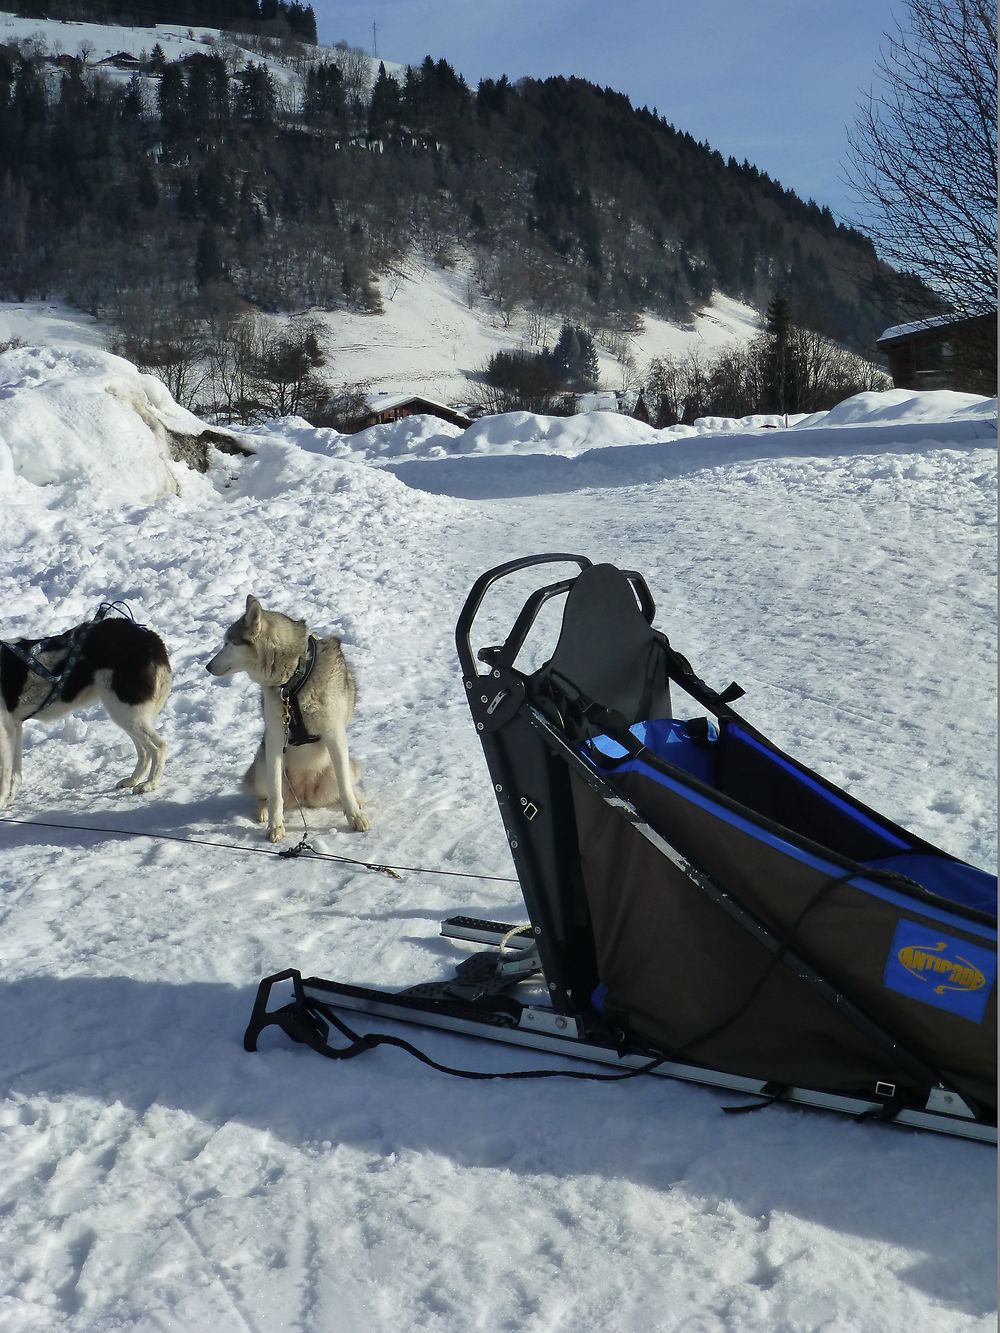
(208,264)
(781,377)
(147,190)
(256,99)
(384,108)
(170,99)
(323,102)
(574,358)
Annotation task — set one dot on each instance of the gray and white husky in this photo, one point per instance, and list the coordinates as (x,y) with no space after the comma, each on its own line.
(308,695)
(114,661)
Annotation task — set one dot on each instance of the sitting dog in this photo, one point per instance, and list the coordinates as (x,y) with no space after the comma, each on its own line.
(121,664)
(308,695)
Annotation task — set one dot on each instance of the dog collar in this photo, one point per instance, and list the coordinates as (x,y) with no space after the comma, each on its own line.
(295,727)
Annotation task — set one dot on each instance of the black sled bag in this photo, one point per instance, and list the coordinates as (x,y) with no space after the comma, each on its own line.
(698,889)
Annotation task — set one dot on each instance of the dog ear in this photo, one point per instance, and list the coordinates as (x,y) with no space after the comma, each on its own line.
(253,611)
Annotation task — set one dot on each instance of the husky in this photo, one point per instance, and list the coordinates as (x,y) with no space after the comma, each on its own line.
(308,694)
(122,665)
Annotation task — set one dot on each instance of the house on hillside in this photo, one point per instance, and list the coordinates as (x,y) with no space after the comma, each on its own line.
(944,352)
(384,408)
(598,400)
(120,60)
(70,64)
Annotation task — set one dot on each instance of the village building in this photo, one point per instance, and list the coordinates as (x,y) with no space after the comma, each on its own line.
(384,408)
(944,352)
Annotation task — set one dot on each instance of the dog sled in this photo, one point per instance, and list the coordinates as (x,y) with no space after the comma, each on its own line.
(700,904)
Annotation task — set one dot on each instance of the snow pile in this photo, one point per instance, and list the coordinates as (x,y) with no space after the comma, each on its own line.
(87,423)
(896,407)
(153,1175)
(524,432)
(427,436)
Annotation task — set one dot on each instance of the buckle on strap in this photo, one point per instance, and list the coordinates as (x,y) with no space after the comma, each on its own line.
(295,728)
(302,672)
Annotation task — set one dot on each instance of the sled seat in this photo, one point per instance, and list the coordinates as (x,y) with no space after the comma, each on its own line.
(733,762)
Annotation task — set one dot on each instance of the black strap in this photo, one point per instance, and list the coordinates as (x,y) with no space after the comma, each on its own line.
(297,733)
(75,641)
(310,1024)
(769,1094)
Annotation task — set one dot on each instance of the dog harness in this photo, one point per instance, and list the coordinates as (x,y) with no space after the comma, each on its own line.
(74,641)
(295,727)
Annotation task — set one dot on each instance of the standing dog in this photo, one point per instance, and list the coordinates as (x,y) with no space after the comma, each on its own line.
(121,664)
(308,694)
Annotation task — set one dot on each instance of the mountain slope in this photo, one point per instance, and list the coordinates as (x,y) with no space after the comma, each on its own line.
(200,169)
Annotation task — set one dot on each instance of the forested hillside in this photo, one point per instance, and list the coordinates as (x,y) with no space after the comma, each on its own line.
(260,169)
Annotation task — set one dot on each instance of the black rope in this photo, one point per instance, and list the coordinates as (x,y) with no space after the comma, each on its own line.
(301,849)
(361,1043)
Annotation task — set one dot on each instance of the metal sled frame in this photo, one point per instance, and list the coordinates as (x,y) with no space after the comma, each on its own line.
(479,1002)
(306,1018)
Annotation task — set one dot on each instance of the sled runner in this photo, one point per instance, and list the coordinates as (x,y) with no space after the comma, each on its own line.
(700,904)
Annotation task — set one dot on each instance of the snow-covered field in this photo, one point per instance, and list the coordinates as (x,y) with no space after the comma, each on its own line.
(153,1176)
(437,332)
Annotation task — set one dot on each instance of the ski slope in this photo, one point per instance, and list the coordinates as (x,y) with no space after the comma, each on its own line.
(153,1176)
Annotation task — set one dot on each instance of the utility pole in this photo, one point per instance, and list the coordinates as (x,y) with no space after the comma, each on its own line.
(374,40)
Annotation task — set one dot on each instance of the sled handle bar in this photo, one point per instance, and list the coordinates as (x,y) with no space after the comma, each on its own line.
(485,581)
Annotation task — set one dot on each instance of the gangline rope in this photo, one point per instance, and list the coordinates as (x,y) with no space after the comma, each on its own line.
(301,849)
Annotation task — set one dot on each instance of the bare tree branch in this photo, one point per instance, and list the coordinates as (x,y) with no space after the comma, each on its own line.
(923,150)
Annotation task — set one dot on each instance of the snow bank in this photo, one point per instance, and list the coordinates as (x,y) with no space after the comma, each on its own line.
(84,422)
(895,407)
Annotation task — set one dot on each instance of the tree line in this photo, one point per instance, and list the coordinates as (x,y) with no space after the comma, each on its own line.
(569,200)
(197,192)
(787,369)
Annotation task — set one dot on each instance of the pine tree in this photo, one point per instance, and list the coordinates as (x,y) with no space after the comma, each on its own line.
(574,358)
(147,190)
(781,377)
(384,109)
(208,265)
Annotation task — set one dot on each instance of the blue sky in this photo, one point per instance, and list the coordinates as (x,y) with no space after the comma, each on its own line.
(774,81)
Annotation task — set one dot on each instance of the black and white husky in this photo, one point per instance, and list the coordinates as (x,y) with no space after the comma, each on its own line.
(308,694)
(122,665)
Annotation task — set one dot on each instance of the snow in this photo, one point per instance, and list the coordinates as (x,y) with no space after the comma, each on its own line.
(437,331)
(919,326)
(55,402)
(153,1176)
(177,40)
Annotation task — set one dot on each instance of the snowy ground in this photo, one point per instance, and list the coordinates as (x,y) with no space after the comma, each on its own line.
(153,1176)
(437,332)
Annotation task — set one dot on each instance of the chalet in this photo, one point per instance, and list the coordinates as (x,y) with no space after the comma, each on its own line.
(384,408)
(120,60)
(943,352)
(71,64)
(598,400)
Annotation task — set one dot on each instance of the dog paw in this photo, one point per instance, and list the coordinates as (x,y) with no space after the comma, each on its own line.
(126,784)
(359,822)
(144,787)
(262,813)
(276,831)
